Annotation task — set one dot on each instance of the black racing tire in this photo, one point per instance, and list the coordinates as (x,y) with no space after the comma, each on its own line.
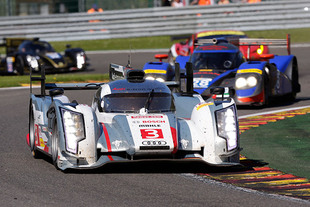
(35,153)
(54,145)
(266,86)
(295,84)
(19,65)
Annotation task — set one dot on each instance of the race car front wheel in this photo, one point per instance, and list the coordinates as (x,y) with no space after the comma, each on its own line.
(32,132)
(55,138)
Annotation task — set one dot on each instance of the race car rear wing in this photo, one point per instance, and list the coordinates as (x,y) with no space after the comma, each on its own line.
(248,42)
(270,42)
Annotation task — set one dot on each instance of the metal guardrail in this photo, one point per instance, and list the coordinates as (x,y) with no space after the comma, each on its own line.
(159,21)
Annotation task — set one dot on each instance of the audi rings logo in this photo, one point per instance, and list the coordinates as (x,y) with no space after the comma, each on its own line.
(154,143)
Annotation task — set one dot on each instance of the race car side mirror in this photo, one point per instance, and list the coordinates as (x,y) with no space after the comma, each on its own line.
(222,92)
(56,91)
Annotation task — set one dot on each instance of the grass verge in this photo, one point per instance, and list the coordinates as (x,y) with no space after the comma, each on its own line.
(283,144)
(13,81)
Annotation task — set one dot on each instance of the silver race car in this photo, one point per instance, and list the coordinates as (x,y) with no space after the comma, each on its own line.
(133,119)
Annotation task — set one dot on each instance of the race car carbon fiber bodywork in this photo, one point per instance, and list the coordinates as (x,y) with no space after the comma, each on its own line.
(25,54)
(133,119)
(219,63)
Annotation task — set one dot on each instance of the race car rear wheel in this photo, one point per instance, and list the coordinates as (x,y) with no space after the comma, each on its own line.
(34,151)
(295,84)
(55,139)
(19,65)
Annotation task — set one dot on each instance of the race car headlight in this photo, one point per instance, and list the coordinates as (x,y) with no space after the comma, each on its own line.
(150,78)
(251,81)
(160,79)
(33,63)
(80,60)
(241,82)
(246,82)
(73,123)
(227,126)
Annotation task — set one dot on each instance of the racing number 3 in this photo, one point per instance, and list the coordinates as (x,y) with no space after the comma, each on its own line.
(151,133)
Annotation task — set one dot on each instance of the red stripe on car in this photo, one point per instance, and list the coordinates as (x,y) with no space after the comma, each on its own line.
(106,135)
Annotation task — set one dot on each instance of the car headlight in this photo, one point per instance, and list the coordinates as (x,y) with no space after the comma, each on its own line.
(150,78)
(251,81)
(73,123)
(246,82)
(160,79)
(80,60)
(154,78)
(241,82)
(33,62)
(227,126)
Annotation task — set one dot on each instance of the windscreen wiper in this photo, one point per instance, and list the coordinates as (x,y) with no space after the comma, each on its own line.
(149,99)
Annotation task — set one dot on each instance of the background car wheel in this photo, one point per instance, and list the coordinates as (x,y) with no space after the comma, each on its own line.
(55,139)
(34,151)
(19,65)
(295,84)
(267,87)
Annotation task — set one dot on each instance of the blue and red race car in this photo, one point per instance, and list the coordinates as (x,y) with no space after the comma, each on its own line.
(187,47)
(220,62)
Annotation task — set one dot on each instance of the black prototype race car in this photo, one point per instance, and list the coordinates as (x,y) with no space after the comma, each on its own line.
(25,54)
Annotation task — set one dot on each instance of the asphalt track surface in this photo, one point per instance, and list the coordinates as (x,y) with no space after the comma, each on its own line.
(25,181)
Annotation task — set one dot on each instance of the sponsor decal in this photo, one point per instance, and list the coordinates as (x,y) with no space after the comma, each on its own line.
(147,117)
(203,105)
(151,134)
(118,89)
(201,82)
(37,135)
(153,121)
(147,89)
(211,33)
(149,125)
(39,142)
(154,143)
(155,71)
(253,70)
(53,55)
(9,62)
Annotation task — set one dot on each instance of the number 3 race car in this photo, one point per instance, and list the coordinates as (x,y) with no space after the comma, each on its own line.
(133,119)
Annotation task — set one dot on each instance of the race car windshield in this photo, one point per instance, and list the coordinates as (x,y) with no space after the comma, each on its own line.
(133,102)
(222,61)
(37,47)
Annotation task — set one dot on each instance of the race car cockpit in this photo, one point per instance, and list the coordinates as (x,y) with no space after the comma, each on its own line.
(217,60)
(134,102)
